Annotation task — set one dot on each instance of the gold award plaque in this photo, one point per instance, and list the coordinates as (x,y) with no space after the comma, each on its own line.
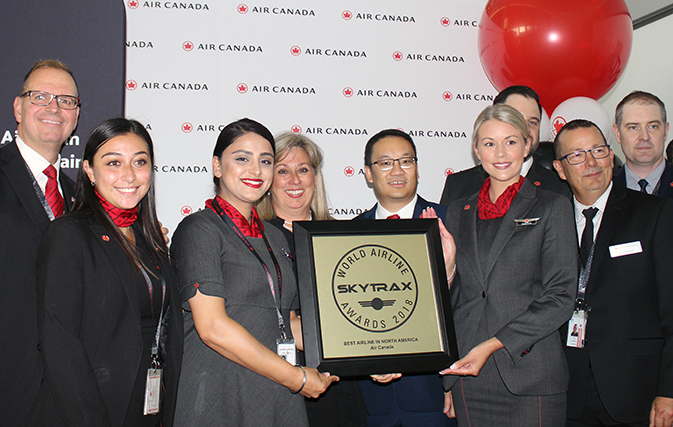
(376,296)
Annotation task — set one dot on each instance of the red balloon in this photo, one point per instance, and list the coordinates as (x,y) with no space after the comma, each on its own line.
(560,48)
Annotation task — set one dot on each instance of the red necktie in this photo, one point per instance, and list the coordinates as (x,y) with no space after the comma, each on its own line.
(393,216)
(52,194)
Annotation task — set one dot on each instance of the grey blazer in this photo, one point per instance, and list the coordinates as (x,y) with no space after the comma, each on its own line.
(523,292)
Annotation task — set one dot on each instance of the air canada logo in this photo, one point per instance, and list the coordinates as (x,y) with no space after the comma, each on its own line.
(384,17)
(397,55)
(374,288)
(447,96)
(445,21)
(277,89)
(277,10)
(295,50)
(242,9)
(348,92)
(131,85)
(557,124)
(347,15)
(386,93)
(174,5)
(242,88)
(188,46)
(296,129)
(448,171)
(331,52)
(349,171)
(133,4)
(186,210)
(187,127)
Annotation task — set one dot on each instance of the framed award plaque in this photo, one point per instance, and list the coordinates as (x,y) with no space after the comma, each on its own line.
(374,297)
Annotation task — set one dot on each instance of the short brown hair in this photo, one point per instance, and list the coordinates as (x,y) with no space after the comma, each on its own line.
(638,97)
(49,63)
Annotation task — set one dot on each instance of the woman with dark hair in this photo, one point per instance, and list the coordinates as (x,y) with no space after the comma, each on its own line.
(109,316)
(239,295)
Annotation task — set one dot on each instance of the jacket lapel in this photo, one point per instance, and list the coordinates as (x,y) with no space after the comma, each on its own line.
(521,204)
(13,166)
(468,236)
(121,264)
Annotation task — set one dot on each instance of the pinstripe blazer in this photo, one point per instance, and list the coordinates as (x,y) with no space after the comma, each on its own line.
(523,292)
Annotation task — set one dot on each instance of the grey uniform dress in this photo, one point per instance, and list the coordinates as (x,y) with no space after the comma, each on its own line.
(213,390)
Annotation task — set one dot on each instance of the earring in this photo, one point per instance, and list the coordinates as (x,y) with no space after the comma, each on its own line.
(93,183)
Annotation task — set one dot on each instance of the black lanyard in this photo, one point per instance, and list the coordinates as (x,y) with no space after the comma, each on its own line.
(222,214)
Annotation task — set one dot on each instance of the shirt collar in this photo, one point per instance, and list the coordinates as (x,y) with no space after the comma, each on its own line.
(527,164)
(36,163)
(599,203)
(407,212)
(652,179)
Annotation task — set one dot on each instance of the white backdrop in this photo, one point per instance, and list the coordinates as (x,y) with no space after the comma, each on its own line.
(337,71)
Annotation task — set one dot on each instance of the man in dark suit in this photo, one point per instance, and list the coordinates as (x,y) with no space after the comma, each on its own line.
(469,181)
(391,167)
(641,129)
(33,191)
(622,373)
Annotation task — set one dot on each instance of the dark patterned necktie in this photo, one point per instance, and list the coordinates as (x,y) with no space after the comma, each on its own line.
(587,235)
(643,185)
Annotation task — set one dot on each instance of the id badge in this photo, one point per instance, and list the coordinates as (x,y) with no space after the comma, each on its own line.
(153,391)
(286,349)
(577,327)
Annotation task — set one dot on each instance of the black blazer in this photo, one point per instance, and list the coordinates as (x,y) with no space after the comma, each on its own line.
(665,188)
(418,393)
(89,326)
(469,181)
(630,326)
(22,221)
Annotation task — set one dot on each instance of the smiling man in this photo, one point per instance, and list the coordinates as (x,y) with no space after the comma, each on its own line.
(391,167)
(621,373)
(33,191)
(641,129)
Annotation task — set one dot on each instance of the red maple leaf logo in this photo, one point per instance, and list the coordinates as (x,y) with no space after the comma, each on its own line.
(188,46)
(295,50)
(296,129)
(187,127)
(242,88)
(349,171)
(186,210)
(447,96)
(559,122)
(131,85)
(445,21)
(347,15)
(397,55)
(448,171)
(133,4)
(242,9)
(348,92)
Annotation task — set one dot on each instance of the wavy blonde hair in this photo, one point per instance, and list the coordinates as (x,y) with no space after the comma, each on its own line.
(284,143)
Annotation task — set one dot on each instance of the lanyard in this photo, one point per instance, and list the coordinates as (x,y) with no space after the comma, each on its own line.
(222,214)
(157,334)
(583,280)
(40,194)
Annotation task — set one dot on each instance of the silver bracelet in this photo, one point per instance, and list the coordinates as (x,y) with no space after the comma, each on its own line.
(303,383)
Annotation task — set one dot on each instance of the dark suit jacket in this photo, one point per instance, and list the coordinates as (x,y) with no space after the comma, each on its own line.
(418,393)
(89,326)
(469,181)
(665,188)
(630,327)
(523,291)
(22,221)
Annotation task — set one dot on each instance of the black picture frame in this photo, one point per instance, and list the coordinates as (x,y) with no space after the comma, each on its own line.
(352,366)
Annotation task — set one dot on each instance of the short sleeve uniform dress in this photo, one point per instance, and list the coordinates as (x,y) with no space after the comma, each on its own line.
(213,390)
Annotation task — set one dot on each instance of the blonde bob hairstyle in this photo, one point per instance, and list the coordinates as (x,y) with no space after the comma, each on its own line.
(503,113)
(284,143)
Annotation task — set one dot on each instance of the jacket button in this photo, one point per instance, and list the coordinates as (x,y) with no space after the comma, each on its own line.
(483,294)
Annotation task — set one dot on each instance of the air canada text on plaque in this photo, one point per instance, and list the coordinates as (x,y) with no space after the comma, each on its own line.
(374,288)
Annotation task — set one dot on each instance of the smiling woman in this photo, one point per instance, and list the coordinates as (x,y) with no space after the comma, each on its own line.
(240,295)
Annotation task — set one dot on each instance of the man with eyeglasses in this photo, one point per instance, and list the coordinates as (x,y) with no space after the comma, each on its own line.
(33,191)
(391,167)
(621,361)
(641,129)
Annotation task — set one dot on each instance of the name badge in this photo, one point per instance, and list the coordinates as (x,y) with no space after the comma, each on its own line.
(577,326)
(153,391)
(286,349)
(625,249)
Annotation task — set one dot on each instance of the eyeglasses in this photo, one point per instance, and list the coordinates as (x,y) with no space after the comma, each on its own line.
(42,99)
(580,156)
(387,164)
